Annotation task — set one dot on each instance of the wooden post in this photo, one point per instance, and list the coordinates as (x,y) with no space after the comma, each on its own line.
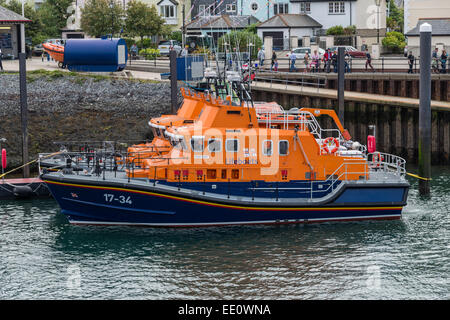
(173,80)
(24,112)
(425,109)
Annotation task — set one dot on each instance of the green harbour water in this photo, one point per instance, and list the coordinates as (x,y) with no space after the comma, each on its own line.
(42,256)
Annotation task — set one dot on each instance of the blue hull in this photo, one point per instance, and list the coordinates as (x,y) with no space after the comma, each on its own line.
(121,204)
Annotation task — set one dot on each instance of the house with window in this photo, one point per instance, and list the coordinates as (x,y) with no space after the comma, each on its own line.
(171,11)
(263,9)
(206,8)
(368,16)
(10,35)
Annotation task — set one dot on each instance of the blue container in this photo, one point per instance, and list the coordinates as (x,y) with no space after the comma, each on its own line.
(95,55)
(190,68)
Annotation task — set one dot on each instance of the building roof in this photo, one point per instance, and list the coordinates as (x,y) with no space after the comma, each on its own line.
(440,27)
(10,17)
(290,21)
(222,22)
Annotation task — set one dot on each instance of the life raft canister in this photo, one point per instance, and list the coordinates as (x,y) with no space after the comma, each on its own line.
(330,145)
(4,158)
(371,144)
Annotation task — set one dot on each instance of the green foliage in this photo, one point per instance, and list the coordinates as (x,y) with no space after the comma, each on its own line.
(335,31)
(395,20)
(394,41)
(350,30)
(240,40)
(142,20)
(251,28)
(149,53)
(176,35)
(54,15)
(98,18)
(146,43)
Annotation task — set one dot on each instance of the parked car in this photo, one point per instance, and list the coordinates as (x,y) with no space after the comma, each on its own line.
(352,51)
(301,51)
(164,47)
(37,50)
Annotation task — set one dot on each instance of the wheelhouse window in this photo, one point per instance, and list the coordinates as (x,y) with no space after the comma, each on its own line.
(280,8)
(232,145)
(267,147)
(283,147)
(336,7)
(305,7)
(179,143)
(197,144)
(214,145)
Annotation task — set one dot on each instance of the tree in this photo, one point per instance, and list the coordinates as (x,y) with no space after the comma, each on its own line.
(396,17)
(101,17)
(335,31)
(143,20)
(395,41)
(240,40)
(54,15)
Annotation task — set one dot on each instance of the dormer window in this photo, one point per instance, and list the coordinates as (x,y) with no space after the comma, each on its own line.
(168,8)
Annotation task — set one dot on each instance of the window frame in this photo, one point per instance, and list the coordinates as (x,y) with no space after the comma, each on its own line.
(306,7)
(271,148)
(232,151)
(220,145)
(203,144)
(279,148)
(336,7)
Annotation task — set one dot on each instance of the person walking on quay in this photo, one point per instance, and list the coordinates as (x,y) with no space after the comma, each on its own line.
(315,61)
(274,59)
(347,62)
(369,60)
(444,57)
(134,51)
(1,64)
(411,59)
(435,61)
(306,62)
(292,59)
(326,61)
(261,56)
(334,61)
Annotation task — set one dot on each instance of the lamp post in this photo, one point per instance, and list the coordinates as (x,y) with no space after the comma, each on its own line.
(378,3)
(111,6)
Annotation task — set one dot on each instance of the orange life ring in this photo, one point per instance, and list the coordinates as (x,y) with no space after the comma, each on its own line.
(328,146)
(377,158)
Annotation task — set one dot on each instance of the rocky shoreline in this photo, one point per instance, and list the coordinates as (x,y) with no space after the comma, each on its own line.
(67,107)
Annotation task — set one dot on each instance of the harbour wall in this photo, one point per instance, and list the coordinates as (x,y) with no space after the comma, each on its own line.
(77,108)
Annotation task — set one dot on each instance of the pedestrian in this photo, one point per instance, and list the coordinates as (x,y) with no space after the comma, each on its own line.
(315,61)
(444,57)
(411,59)
(306,61)
(327,61)
(184,52)
(347,61)
(334,61)
(134,51)
(261,56)
(292,59)
(1,64)
(274,59)
(369,60)
(435,61)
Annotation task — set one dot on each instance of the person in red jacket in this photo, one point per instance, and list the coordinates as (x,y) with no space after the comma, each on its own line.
(326,60)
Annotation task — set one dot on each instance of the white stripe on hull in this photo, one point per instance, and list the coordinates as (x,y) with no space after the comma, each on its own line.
(205,224)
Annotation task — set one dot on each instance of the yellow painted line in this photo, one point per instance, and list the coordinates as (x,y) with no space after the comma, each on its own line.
(223,205)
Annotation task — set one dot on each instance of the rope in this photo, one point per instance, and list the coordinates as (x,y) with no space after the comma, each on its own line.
(26,164)
(418,177)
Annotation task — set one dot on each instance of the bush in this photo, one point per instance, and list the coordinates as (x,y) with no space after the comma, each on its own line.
(394,41)
(149,53)
(146,43)
(176,35)
(240,40)
(335,31)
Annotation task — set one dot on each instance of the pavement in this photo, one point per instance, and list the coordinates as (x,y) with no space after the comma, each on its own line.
(36,63)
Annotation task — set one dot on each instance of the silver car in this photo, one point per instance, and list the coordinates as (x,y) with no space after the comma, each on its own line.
(167,45)
(301,51)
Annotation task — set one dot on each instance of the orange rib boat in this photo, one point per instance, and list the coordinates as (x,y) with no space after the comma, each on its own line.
(55,51)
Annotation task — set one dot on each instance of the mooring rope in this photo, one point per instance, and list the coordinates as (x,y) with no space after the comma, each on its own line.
(28,163)
(418,177)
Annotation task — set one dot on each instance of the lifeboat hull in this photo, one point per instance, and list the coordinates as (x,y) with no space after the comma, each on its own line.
(98,202)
